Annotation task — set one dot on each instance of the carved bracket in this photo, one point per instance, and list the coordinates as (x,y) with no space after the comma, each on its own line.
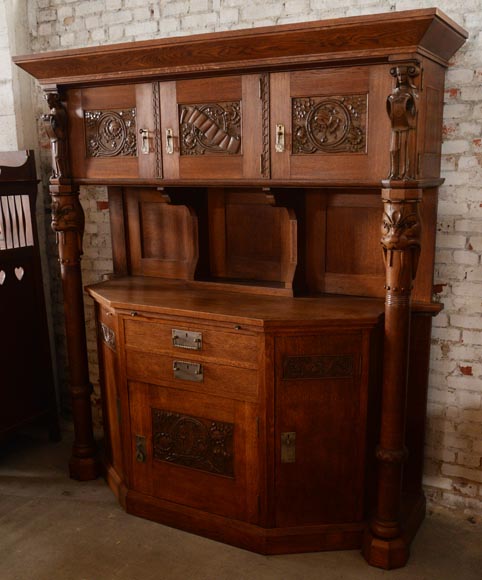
(402,107)
(68,216)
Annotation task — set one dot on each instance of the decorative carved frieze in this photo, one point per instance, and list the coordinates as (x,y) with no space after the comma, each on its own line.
(156,107)
(334,124)
(111,133)
(264,95)
(193,442)
(55,124)
(402,107)
(318,367)
(213,128)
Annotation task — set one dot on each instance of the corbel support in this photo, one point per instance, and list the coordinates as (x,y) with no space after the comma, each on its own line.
(68,225)
(386,544)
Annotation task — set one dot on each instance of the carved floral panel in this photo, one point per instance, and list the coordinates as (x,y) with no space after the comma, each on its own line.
(208,129)
(111,133)
(334,124)
(193,442)
(318,367)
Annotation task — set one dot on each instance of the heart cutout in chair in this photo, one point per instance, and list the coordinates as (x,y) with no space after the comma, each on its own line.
(19,272)
(2,277)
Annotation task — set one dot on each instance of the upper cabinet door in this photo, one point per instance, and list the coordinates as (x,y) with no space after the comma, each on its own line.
(215,128)
(111,132)
(331,124)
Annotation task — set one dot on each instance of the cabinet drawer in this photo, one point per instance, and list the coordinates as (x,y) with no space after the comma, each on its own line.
(230,347)
(225,381)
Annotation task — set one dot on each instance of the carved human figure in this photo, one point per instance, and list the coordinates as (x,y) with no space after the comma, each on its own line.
(402,110)
(56,128)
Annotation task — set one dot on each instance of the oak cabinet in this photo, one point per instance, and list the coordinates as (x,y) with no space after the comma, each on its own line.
(272,198)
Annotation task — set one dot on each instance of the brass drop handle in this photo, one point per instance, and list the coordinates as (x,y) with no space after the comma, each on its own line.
(169,141)
(280,139)
(145,148)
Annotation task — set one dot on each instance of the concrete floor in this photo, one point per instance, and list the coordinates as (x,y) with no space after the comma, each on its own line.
(53,528)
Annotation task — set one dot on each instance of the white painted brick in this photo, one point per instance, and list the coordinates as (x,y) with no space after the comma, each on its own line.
(455,441)
(113,4)
(451,241)
(459,76)
(472,337)
(465,321)
(470,93)
(139,28)
(174,8)
(464,472)
(116,32)
(67,39)
(169,25)
(134,3)
(467,289)
(141,14)
(111,18)
(264,10)
(98,35)
(468,459)
(456,111)
(89,7)
(47,15)
(476,243)
(440,482)
(455,146)
(228,15)
(466,257)
(198,6)
(198,21)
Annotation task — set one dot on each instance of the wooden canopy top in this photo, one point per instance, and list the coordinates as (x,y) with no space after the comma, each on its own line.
(372,38)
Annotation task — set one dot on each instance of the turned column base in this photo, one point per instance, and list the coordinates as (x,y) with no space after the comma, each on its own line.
(390,553)
(84,468)
(386,554)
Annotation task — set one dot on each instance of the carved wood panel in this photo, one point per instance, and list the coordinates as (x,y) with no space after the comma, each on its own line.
(208,129)
(329,124)
(193,442)
(111,133)
(318,367)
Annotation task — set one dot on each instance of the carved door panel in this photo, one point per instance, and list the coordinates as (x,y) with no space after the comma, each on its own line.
(320,429)
(320,128)
(107,132)
(215,128)
(200,451)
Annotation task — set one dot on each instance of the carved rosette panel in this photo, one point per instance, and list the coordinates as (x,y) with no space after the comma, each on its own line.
(334,124)
(193,442)
(111,133)
(318,367)
(209,129)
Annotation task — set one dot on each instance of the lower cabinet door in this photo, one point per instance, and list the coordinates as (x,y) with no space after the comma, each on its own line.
(195,450)
(320,429)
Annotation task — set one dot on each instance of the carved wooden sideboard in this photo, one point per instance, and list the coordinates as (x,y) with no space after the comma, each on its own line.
(263,359)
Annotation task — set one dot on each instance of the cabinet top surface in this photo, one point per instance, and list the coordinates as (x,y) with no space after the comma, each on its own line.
(369,38)
(152,295)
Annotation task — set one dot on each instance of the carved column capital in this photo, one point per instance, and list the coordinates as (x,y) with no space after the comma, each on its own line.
(68,223)
(402,109)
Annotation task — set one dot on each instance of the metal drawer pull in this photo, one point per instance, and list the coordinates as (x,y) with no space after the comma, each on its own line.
(187,339)
(145,137)
(169,141)
(280,139)
(188,371)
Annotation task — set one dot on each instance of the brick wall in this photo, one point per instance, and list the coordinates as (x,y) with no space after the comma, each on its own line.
(454,437)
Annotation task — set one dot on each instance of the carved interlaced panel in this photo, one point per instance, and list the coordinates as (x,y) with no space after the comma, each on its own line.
(193,442)
(334,124)
(208,129)
(318,367)
(111,133)
(15,222)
